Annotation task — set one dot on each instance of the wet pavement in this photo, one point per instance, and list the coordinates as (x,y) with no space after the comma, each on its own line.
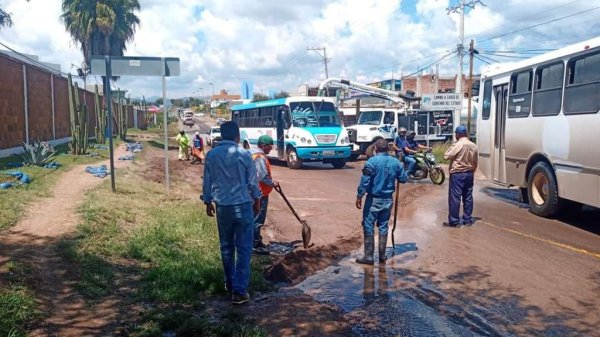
(510,274)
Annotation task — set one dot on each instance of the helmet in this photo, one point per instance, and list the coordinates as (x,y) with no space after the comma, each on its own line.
(402,129)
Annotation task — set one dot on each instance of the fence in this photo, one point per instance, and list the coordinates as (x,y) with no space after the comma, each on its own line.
(34,105)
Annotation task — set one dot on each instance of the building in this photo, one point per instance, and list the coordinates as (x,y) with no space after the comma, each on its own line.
(433,84)
(223,97)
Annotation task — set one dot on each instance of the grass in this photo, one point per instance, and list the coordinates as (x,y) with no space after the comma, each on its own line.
(13,201)
(165,248)
(438,151)
(17,304)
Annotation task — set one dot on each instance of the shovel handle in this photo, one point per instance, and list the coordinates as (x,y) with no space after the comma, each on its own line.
(280,191)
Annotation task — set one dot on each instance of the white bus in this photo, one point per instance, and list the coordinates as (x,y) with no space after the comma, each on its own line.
(538,127)
(304,129)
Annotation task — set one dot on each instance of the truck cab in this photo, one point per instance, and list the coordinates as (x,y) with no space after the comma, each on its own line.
(372,124)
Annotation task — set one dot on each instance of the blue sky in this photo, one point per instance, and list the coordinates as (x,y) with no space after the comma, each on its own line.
(227,41)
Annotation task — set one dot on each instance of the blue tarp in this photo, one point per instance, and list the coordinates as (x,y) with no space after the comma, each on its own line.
(97,171)
(21,176)
(134,147)
(52,165)
(127,157)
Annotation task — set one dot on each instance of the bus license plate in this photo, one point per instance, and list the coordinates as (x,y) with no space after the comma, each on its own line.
(328,152)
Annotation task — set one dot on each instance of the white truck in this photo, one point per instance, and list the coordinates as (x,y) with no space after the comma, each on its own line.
(372,124)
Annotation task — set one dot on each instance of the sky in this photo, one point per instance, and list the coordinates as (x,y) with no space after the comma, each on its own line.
(227,41)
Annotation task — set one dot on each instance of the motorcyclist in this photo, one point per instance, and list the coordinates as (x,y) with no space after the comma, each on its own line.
(410,148)
(398,141)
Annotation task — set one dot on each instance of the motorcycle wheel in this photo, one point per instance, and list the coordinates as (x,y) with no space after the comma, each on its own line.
(437,175)
(420,174)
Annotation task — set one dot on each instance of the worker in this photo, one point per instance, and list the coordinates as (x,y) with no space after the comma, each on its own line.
(230,183)
(197,149)
(266,184)
(184,145)
(378,182)
(398,143)
(410,148)
(463,156)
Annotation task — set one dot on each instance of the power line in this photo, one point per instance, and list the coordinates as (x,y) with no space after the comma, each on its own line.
(429,65)
(37,63)
(541,23)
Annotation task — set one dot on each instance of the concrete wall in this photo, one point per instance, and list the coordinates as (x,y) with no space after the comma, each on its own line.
(34,106)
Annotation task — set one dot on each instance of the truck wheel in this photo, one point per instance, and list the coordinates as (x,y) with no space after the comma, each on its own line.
(338,163)
(294,162)
(543,191)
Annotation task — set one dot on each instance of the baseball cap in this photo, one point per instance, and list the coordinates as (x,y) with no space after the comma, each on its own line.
(265,140)
(461,129)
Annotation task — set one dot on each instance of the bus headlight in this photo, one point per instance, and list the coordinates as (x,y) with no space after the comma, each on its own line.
(309,141)
(303,139)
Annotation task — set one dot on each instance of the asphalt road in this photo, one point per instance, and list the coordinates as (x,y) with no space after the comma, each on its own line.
(510,274)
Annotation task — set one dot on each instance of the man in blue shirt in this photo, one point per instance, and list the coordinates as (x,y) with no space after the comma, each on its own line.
(398,144)
(378,181)
(230,182)
(410,147)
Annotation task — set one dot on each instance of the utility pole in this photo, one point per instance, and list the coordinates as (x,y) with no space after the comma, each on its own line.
(460,48)
(472,53)
(323,56)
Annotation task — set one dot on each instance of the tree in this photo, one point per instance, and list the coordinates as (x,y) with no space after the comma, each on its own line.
(101,27)
(282,94)
(5,19)
(259,97)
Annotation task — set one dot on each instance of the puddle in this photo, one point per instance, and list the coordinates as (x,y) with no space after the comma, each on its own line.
(378,301)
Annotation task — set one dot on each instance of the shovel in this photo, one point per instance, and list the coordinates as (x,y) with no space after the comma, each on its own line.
(305,227)
(395,216)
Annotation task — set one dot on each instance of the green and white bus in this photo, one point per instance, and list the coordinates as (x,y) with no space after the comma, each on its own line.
(304,129)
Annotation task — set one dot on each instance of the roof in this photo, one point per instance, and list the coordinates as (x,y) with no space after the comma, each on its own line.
(281,101)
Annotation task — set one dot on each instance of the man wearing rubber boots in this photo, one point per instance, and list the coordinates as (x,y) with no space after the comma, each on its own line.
(378,181)
(266,184)
(463,156)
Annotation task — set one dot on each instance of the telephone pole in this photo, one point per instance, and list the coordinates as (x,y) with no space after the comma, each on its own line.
(472,53)
(323,56)
(460,48)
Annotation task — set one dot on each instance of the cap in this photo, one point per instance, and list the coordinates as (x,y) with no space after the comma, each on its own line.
(265,140)
(461,129)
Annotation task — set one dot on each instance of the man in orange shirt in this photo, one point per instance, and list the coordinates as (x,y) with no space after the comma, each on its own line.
(265,183)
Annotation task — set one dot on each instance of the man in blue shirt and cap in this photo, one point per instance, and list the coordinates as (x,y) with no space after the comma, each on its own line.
(378,182)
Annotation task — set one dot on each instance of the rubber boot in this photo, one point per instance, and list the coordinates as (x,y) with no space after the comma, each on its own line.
(369,249)
(382,247)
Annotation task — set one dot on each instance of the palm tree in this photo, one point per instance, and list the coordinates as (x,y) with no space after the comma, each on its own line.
(102,27)
(5,19)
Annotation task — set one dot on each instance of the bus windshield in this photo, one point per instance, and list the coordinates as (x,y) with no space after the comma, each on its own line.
(370,118)
(313,114)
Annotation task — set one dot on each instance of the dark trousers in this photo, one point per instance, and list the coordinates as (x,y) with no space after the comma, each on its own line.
(461,187)
(259,219)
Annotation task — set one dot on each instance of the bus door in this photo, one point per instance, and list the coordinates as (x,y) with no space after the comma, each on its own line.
(501,96)
(283,122)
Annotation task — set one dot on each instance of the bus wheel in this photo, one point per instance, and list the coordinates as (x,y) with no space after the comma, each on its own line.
(338,163)
(293,161)
(543,191)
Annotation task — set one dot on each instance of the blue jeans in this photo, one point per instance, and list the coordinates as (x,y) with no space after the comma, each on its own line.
(376,211)
(411,162)
(461,187)
(236,226)
(259,219)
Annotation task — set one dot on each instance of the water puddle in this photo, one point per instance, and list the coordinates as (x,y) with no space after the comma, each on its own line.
(388,300)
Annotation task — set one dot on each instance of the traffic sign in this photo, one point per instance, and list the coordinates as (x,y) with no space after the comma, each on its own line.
(445,101)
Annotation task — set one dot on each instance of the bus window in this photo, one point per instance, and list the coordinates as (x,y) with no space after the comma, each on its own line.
(519,102)
(583,85)
(547,97)
(487,99)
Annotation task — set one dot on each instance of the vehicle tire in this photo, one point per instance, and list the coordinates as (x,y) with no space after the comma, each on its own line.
(338,163)
(246,144)
(543,191)
(437,175)
(294,162)
(354,156)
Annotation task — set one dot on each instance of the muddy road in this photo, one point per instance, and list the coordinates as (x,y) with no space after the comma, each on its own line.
(510,274)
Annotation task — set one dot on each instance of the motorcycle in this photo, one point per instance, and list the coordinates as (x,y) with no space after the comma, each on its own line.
(426,165)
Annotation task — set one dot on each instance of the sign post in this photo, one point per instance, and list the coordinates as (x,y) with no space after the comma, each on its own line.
(109,66)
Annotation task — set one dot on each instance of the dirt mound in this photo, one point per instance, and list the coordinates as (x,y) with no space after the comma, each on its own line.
(293,268)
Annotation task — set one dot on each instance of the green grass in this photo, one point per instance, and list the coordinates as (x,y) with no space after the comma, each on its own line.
(13,201)
(438,150)
(165,246)
(17,305)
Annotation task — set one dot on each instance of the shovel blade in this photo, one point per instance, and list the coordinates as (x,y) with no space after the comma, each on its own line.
(305,234)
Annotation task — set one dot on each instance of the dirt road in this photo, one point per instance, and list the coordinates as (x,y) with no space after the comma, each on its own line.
(510,274)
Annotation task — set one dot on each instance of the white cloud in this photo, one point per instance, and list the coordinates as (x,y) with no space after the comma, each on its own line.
(226,41)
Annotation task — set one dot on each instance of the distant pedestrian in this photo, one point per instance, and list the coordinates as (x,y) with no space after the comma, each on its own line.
(197,148)
(378,181)
(183,140)
(230,183)
(265,182)
(463,156)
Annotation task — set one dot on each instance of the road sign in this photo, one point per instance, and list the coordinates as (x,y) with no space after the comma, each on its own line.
(136,66)
(444,101)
